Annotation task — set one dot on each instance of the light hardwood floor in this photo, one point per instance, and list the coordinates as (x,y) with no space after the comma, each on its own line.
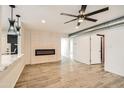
(68,74)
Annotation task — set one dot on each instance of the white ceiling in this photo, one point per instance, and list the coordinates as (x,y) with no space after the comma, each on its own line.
(32,15)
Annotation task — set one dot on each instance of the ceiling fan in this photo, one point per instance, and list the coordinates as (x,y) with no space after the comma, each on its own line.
(82,16)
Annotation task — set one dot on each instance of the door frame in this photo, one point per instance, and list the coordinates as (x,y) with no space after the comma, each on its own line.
(102,44)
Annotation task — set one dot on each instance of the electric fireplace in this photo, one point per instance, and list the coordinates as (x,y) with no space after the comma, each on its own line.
(41,52)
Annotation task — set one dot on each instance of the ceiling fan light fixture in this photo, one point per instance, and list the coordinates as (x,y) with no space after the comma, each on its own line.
(81,12)
(84,16)
(77,27)
(81,20)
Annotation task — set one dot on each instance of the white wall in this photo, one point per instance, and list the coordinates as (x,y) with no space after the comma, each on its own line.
(0,33)
(3,41)
(71,43)
(81,49)
(115,50)
(27,46)
(87,49)
(42,40)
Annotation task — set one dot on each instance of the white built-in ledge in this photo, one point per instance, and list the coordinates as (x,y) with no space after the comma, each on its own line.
(11,67)
(7,60)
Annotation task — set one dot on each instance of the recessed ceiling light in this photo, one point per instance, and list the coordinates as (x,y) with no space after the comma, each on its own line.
(43,21)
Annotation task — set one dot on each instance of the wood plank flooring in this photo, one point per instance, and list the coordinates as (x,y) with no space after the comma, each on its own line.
(68,74)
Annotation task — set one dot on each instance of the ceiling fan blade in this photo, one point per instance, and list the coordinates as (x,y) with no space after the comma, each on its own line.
(78,23)
(71,20)
(98,11)
(83,8)
(69,14)
(90,19)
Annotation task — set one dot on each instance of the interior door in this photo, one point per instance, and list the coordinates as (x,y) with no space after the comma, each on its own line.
(95,49)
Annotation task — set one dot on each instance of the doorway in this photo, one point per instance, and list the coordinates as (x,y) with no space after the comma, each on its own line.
(13,41)
(64,47)
(102,48)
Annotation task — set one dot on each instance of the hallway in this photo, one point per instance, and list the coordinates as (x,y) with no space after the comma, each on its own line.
(66,74)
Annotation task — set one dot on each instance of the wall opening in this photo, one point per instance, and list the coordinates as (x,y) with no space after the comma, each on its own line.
(65,47)
(71,48)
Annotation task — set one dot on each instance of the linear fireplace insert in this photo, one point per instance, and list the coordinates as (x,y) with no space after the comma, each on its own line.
(40,52)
